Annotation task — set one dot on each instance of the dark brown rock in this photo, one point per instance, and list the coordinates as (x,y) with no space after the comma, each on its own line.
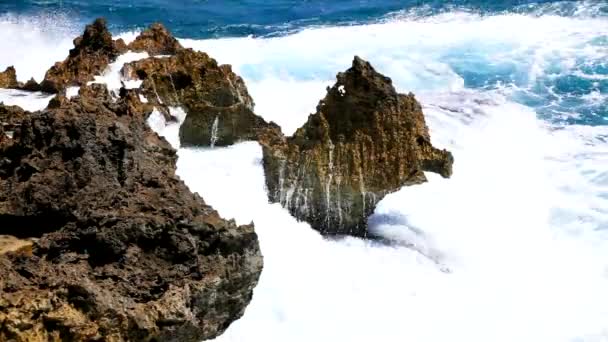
(8,78)
(31,85)
(119,248)
(10,119)
(156,40)
(364,142)
(214,98)
(92,53)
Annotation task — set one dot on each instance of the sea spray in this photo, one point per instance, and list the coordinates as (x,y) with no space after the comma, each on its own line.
(214,128)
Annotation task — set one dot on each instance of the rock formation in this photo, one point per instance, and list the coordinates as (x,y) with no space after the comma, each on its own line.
(92,53)
(364,142)
(156,40)
(105,242)
(218,106)
(8,78)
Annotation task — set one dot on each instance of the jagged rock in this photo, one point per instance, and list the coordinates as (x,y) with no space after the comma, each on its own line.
(156,40)
(364,142)
(92,53)
(119,249)
(8,78)
(218,106)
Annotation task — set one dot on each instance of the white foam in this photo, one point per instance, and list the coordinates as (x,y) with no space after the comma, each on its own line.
(112,76)
(513,273)
(30,101)
(507,250)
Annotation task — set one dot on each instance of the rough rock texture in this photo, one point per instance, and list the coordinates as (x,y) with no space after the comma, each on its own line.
(364,142)
(218,106)
(10,118)
(120,249)
(8,78)
(156,40)
(92,53)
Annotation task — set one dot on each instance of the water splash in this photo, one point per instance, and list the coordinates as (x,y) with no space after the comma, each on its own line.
(214,129)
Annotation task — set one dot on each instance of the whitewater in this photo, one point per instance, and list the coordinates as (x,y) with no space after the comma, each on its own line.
(514,247)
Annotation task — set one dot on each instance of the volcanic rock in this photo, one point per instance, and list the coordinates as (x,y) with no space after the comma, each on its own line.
(106,242)
(156,40)
(10,119)
(364,141)
(92,53)
(218,106)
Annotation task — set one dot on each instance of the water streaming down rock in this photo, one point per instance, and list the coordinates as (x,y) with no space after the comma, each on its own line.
(364,142)
(214,131)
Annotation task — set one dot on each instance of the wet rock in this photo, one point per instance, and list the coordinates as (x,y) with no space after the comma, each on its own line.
(92,53)
(8,78)
(218,106)
(120,249)
(364,142)
(156,40)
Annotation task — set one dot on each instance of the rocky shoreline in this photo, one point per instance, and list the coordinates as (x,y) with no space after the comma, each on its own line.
(105,242)
(101,241)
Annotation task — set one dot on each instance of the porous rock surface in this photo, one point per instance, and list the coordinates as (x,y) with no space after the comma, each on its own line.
(155,40)
(101,241)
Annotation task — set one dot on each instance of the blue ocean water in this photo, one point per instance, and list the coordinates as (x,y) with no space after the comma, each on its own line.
(559,94)
(214,18)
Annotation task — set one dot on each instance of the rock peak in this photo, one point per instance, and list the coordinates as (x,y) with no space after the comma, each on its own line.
(96,36)
(156,40)
(364,142)
(92,53)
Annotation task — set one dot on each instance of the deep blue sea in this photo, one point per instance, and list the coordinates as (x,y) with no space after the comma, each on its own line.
(513,247)
(555,93)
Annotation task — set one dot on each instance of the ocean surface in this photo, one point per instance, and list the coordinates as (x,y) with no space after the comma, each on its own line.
(514,247)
